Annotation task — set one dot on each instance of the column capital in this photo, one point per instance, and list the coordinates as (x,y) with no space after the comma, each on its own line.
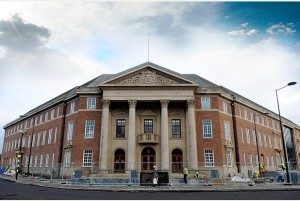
(105,103)
(190,103)
(164,103)
(132,103)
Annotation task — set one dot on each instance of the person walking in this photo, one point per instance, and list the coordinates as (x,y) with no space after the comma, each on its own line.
(155,176)
(185,173)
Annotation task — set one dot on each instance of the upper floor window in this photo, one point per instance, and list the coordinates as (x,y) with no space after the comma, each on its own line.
(41,118)
(248,135)
(207,128)
(251,116)
(52,114)
(242,133)
(148,126)
(120,128)
(254,137)
(70,130)
(176,128)
(46,117)
(72,108)
(91,103)
(227,130)
(50,136)
(246,113)
(205,102)
(44,137)
(224,106)
(270,141)
(89,128)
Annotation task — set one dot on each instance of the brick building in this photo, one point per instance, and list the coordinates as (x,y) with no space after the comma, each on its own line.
(149,115)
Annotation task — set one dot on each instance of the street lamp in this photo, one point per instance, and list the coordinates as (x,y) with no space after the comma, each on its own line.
(20,154)
(257,150)
(283,140)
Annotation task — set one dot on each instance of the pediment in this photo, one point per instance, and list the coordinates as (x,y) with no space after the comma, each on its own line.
(148,76)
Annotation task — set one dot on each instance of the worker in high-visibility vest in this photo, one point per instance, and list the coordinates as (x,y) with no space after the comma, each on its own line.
(261,168)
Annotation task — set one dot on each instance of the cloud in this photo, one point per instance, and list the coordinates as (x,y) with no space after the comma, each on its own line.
(21,36)
(242,31)
(281,28)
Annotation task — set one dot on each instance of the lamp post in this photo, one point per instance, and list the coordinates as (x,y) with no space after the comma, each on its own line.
(20,155)
(257,149)
(283,140)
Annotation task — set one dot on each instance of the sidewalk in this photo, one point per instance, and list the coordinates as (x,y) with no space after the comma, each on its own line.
(136,188)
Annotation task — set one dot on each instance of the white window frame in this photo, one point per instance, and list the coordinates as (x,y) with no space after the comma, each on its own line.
(52,114)
(256,160)
(44,137)
(248,135)
(87,158)
(229,158)
(55,134)
(270,141)
(209,158)
(47,160)
(254,137)
(245,161)
(250,160)
(50,136)
(259,139)
(67,158)
(72,107)
(89,128)
(46,116)
(207,128)
(205,103)
(242,133)
(265,140)
(91,103)
(70,130)
(41,160)
(224,106)
(38,139)
(227,130)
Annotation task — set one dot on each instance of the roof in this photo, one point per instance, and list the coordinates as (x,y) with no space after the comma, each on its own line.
(203,83)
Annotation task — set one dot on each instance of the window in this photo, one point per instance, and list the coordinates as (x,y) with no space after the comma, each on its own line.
(257,119)
(41,160)
(246,113)
(47,160)
(44,137)
(57,113)
(256,160)
(268,162)
(50,136)
(229,158)
(273,124)
(244,156)
(148,126)
(70,130)
(262,120)
(72,108)
(33,140)
(209,158)
(250,160)
(55,135)
(240,111)
(36,121)
(89,128)
(52,114)
(53,155)
(29,141)
(275,142)
(265,140)
(205,101)
(41,118)
(68,158)
(30,165)
(46,117)
(254,137)
(176,128)
(91,103)
(272,161)
(87,158)
(248,135)
(259,139)
(120,128)
(251,116)
(31,122)
(207,131)
(227,130)
(267,121)
(35,160)
(26,161)
(242,133)
(25,125)
(224,107)
(38,139)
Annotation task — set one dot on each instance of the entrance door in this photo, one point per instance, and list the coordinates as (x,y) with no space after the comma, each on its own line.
(148,159)
(176,160)
(120,161)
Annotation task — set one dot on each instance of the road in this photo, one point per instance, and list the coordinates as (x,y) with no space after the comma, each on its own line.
(10,190)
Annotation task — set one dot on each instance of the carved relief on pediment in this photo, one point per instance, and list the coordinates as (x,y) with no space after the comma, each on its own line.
(148,76)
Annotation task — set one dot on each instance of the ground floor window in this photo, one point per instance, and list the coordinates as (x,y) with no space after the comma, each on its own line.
(209,158)
(87,158)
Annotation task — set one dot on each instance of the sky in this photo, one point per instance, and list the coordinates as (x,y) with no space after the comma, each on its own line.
(49,47)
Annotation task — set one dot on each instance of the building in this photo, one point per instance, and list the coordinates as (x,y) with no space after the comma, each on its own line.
(144,116)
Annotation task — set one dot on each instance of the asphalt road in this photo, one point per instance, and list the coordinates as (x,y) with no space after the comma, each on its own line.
(15,191)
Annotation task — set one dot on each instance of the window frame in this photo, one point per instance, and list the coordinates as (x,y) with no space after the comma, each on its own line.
(207,126)
(89,129)
(176,128)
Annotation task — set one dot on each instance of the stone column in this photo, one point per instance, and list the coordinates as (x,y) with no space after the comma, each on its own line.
(131,141)
(164,134)
(104,134)
(192,146)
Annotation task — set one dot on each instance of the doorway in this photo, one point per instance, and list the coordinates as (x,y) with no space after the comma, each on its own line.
(119,165)
(176,161)
(148,159)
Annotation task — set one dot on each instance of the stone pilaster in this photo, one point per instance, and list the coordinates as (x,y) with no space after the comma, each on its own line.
(164,135)
(131,140)
(192,146)
(104,134)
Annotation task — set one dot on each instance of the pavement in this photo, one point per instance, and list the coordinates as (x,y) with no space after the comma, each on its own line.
(136,188)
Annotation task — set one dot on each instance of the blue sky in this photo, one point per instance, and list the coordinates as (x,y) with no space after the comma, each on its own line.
(251,48)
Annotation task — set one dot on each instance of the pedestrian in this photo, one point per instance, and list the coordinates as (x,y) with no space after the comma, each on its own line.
(155,176)
(185,173)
